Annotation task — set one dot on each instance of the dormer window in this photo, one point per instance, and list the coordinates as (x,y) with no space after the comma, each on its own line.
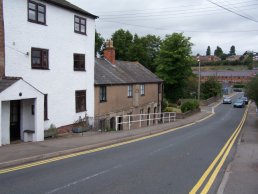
(36,12)
(80,25)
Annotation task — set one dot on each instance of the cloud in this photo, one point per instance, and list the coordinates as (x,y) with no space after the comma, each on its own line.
(206,23)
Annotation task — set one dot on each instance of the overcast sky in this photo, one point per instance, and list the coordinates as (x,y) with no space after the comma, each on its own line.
(203,21)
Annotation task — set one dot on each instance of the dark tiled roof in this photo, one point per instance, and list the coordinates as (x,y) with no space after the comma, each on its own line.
(245,73)
(67,5)
(123,72)
(7,82)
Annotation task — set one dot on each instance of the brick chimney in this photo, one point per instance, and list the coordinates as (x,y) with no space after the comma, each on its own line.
(109,52)
(2,49)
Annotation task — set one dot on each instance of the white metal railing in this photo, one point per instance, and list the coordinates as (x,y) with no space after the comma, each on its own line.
(150,119)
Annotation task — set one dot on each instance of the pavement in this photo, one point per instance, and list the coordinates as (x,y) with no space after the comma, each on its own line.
(22,153)
(241,175)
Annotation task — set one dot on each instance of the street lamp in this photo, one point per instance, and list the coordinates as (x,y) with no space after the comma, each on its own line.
(199,82)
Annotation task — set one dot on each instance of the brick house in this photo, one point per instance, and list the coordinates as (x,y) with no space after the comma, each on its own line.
(46,67)
(205,59)
(231,77)
(124,88)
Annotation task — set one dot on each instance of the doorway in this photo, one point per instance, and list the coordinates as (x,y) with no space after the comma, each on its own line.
(15,130)
(120,126)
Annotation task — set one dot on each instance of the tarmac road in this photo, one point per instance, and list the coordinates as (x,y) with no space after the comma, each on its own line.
(169,163)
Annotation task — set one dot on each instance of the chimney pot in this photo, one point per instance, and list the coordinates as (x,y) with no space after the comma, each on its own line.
(109,52)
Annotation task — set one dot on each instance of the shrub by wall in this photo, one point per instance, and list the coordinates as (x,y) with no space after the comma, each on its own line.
(189,106)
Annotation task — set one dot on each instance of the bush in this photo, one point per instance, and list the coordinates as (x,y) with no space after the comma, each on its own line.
(169,109)
(190,106)
(51,132)
(173,109)
(164,104)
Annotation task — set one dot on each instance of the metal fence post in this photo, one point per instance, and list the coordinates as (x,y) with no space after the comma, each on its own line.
(129,123)
(116,123)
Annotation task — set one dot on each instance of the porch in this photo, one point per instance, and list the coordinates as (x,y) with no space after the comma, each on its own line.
(21,112)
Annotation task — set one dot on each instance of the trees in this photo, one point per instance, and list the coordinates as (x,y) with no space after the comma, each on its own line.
(232,50)
(134,48)
(210,88)
(208,51)
(174,64)
(122,40)
(252,89)
(144,49)
(192,85)
(99,41)
(218,52)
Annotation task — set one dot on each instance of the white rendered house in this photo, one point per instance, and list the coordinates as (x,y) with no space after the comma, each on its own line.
(46,66)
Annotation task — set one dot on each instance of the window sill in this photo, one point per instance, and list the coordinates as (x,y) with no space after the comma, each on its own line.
(35,22)
(77,32)
(103,101)
(80,70)
(38,68)
(80,111)
(129,96)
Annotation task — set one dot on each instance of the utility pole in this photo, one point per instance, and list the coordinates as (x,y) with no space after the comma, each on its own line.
(199,82)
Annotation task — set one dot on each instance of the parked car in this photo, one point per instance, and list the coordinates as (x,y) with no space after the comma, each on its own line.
(239,104)
(227,100)
(245,99)
(237,90)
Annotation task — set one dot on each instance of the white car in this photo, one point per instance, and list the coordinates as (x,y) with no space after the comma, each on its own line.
(227,100)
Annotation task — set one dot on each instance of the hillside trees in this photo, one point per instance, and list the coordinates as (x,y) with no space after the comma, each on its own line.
(208,51)
(232,50)
(218,52)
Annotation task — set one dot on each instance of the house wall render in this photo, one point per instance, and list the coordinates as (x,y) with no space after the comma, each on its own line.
(60,81)
(2,51)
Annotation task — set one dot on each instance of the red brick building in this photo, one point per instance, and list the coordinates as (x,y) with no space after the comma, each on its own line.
(228,76)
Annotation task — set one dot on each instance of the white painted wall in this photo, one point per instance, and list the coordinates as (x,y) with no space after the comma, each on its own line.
(61,81)
(29,96)
(27,118)
(5,126)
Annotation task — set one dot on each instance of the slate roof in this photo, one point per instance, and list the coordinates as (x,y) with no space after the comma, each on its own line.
(67,5)
(7,82)
(123,72)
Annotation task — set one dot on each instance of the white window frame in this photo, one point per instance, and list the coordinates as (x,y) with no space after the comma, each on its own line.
(130,91)
(142,89)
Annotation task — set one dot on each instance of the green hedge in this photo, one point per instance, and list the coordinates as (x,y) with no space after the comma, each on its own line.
(189,106)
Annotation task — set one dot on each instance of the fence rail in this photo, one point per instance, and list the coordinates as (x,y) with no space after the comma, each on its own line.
(122,122)
(141,120)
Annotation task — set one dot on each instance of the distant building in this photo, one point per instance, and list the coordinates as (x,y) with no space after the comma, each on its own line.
(255,56)
(205,59)
(231,77)
(233,58)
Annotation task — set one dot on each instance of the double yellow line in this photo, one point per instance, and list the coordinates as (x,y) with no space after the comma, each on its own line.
(218,161)
(32,164)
